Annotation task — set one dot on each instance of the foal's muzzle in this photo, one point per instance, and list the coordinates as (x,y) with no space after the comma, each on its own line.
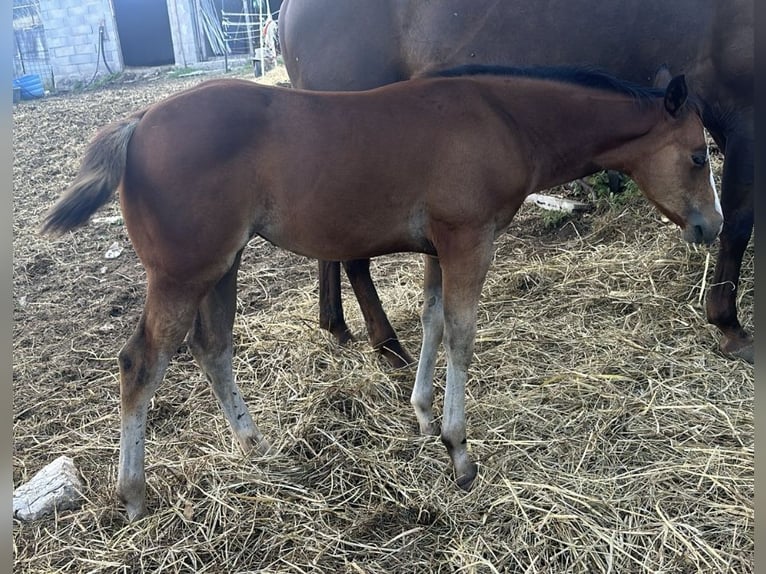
(700,229)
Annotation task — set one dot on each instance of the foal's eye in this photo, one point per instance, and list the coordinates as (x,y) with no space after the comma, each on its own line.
(699,159)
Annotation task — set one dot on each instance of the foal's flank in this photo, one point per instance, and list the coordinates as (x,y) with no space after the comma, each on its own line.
(435,165)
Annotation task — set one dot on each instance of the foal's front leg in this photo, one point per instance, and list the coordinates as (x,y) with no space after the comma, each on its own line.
(463,275)
(432,319)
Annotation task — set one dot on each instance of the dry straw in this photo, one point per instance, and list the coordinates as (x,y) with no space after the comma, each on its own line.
(612,436)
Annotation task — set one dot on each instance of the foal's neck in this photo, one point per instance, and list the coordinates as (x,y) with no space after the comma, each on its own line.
(587,131)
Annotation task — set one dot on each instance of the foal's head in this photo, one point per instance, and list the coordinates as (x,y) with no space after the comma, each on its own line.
(673,170)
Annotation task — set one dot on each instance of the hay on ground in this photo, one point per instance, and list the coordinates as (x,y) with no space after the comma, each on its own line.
(611,434)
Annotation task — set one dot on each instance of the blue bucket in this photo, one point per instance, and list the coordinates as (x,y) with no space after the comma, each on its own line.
(31,86)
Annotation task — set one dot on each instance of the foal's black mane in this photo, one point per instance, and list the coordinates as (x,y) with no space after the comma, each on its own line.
(580,76)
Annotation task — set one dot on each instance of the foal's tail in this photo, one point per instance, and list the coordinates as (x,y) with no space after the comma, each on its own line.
(99,175)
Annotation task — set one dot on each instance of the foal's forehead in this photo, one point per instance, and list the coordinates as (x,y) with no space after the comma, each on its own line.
(690,131)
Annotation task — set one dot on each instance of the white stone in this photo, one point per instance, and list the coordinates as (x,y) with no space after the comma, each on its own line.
(55,487)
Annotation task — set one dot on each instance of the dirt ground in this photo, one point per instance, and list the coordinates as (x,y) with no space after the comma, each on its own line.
(611,434)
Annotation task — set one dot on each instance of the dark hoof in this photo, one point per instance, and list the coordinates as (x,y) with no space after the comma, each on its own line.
(396,356)
(465,481)
(343,336)
(742,349)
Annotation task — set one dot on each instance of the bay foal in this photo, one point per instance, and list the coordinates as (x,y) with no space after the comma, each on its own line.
(436,165)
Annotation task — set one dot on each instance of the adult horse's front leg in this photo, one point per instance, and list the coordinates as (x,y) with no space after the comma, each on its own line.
(382,335)
(143,360)
(737,205)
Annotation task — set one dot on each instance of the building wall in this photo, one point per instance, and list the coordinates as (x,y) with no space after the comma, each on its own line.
(182,29)
(72,36)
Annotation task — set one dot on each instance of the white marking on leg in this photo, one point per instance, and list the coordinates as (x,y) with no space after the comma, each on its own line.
(221,376)
(715,189)
(459,350)
(432,319)
(131,479)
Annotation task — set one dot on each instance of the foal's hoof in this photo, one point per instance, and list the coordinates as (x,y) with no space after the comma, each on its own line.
(257,445)
(135,509)
(742,349)
(135,512)
(465,480)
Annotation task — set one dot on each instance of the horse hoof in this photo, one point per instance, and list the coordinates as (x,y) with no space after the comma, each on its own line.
(394,353)
(263,447)
(465,481)
(343,336)
(256,445)
(397,357)
(738,348)
(134,509)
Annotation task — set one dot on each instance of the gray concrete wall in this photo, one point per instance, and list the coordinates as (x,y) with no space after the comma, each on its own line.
(72,36)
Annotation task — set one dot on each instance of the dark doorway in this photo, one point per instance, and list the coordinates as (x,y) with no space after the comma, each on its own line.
(144,29)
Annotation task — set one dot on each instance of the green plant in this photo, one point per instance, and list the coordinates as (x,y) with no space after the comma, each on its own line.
(553,219)
(603,197)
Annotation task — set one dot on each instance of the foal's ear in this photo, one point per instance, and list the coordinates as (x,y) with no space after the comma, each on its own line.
(675,95)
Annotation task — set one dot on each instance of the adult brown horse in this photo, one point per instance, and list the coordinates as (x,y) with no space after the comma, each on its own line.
(436,165)
(360,44)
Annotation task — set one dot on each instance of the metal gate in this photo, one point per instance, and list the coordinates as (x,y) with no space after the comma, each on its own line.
(30,55)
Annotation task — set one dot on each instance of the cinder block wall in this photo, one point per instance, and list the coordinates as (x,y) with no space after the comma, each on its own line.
(182,26)
(72,36)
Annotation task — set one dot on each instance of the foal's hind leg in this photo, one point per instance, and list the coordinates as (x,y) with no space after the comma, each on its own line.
(143,360)
(210,342)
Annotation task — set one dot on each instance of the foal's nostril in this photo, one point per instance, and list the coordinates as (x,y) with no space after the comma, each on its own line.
(699,234)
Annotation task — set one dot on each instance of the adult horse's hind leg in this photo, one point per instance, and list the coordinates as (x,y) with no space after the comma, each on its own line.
(210,342)
(166,318)
(382,335)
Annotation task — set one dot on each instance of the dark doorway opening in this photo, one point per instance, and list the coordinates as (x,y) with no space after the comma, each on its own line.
(144,29)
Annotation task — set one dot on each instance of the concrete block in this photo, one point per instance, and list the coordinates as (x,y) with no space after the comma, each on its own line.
(63,52)
(82,59)
(55,487)
(55,41)
(84,29)
(77,11)
(52,16)
(86,48)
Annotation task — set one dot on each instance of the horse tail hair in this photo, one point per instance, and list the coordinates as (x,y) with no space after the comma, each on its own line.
(99,176)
